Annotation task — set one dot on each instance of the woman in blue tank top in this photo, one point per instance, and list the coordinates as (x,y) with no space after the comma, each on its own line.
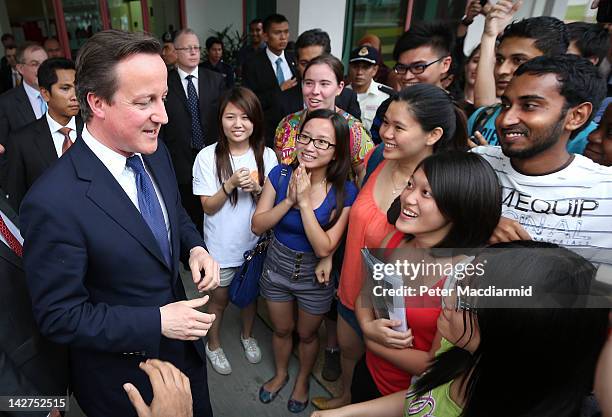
(306,204)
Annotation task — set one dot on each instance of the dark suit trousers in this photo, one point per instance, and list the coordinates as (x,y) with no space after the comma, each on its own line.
(113,401)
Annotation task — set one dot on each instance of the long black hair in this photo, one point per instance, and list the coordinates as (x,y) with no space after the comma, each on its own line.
(433,107)
(246,100)
(467,193)
(530,361)
(337,172)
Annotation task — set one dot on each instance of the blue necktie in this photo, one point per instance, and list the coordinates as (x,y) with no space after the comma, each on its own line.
(197,137)
(280,76)
(149,205)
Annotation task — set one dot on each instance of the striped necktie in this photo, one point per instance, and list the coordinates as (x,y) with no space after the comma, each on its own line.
(67,142)
(10,238)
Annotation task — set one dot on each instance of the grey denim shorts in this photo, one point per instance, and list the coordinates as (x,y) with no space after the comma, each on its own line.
(290,275)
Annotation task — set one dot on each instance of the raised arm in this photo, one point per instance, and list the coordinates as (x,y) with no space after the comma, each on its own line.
(497,18)
(324,242)
(267,215)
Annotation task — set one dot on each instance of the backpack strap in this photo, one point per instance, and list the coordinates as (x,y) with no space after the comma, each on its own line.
(483,118)
(375,159)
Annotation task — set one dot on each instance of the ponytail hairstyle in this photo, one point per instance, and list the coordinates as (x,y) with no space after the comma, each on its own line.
(338,169)
(433,107)
(246,100)
(522,364)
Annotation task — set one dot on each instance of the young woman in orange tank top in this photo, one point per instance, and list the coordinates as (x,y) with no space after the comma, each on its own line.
(420,121)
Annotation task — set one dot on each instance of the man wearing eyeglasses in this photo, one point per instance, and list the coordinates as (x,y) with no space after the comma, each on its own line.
(192,105)
(24,104)
(423,55)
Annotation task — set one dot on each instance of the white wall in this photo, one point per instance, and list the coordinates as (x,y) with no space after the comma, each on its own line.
(204,15)
(327,15)
(291,10)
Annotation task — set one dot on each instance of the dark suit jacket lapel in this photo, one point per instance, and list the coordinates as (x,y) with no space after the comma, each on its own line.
(291,62)
(23,104)
(79,124)
(204,88)
(175,85)
(10,256)
(107,194)
(6,208)
(266,67)
(44,142)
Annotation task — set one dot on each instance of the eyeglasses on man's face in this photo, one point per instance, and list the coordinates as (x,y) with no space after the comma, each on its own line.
(190,49)
(318,143)
(414,68)
(33,64)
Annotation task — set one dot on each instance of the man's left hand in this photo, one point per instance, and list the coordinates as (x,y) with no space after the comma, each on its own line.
(200,260)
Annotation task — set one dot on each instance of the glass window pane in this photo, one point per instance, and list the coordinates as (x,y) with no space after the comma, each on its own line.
(82,21)
(125,15)
(164,16)
(383,18)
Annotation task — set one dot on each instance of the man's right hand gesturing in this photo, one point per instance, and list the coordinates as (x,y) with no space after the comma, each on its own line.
(181,320)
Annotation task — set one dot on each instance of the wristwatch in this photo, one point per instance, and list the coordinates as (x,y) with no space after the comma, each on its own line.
(465,21)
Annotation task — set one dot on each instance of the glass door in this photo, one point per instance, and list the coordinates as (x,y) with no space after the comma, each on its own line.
(82,21)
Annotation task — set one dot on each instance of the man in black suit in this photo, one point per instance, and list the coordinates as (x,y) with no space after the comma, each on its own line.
(309,45)
(192,122)
(9,76)
(7,40)
(24,104)
(255,45)
(34,147)
(29,363)
(271,71)
(214,61)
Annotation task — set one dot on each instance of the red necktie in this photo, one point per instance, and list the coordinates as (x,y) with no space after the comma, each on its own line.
(10,239)
(67,142)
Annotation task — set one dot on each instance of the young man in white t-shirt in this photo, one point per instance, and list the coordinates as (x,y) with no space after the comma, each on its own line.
(549,194)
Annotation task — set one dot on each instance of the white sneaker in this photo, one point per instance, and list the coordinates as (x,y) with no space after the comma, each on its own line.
(251,349)
(218,361)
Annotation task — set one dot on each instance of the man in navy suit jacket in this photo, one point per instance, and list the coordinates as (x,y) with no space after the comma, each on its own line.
(104,234)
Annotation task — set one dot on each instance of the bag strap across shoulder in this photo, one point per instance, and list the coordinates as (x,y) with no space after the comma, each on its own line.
(375,159)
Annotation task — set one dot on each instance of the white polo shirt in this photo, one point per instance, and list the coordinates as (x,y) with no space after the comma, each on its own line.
(369,102)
